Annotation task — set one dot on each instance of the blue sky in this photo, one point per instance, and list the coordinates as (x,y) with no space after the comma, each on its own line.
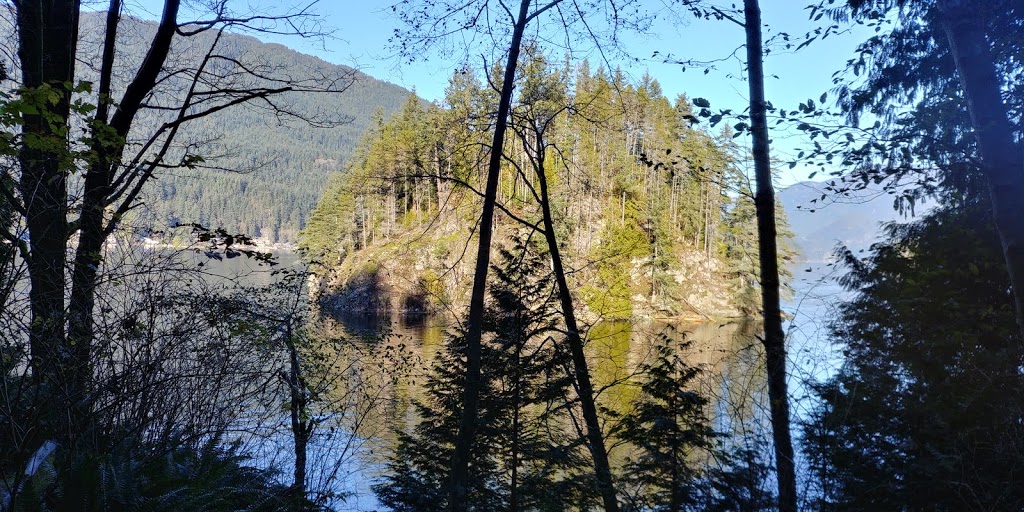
(360,33)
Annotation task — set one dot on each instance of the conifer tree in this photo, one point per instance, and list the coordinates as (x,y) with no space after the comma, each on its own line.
(670,431)
(521,459)
(924,413)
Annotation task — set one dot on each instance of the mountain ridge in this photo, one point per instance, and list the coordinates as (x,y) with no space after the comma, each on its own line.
(290,160)
(820,221)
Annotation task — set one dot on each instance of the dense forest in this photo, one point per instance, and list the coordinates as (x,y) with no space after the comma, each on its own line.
(654,212)
(553,289)
(262,170)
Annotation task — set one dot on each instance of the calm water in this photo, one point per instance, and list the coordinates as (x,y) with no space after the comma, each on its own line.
(729,353)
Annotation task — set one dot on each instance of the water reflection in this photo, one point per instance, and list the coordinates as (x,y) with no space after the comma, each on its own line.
(389,356)
(728,352)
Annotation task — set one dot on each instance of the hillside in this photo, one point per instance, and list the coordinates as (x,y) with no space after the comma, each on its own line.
(284,162)
(642,200)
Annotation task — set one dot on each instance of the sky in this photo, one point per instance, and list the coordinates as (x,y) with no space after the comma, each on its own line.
(360,32)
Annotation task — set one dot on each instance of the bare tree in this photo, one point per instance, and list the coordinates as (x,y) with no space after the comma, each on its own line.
(774,337)
(768,254)
(471,395)
(114,160)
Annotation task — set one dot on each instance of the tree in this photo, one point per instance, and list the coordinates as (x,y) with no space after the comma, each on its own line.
(768,253)
(540,108)
(768,257)
(969,65)
(431,23)
(461,455)
(964,23)
(522,459)
(923,413)
(670,431)
(774,339)
(180,80)
(460,458)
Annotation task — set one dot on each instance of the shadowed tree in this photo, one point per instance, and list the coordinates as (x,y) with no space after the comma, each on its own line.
(523,459)
(434,22)
(942,58)
(185,75)
(774,338)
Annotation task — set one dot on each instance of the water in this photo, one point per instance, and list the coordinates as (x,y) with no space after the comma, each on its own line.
(729,352)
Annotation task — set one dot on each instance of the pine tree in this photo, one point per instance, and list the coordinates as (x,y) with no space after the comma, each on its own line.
(522,459)
(670,431)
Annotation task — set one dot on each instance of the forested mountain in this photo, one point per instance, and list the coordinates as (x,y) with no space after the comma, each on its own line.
(654,212)
(262,171)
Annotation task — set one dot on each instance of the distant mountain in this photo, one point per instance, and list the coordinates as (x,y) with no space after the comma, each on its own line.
(293,158)
(820,221)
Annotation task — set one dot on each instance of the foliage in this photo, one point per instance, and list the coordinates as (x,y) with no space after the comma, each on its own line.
(736,481)
(924,414)
(210,477)
(635,186)
(903,118)
(522,459)
(670,431)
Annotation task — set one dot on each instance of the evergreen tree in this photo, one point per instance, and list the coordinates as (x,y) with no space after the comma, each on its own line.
(522,459)
(925,412)
(639,195)
(736,481)
(670,431)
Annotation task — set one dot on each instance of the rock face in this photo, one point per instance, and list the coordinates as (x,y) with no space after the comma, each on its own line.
(412,274)
(821,224)
(407,277)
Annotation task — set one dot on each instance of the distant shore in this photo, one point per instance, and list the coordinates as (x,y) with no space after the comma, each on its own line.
(260,245)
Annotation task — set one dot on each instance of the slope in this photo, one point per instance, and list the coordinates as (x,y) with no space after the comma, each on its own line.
(820,222)
(262,172)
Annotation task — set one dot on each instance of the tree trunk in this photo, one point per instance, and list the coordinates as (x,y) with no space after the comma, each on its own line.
(300,425)
(92,226)
(764,202)
(47,36)
(1001,163)
(458,491)
(584,388)
(513,493)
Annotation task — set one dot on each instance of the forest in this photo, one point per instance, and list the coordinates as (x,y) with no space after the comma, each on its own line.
(262,170)
(553,288)
(648,203)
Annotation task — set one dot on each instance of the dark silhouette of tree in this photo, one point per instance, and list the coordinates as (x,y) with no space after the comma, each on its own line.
(522,458)
(768,257)
(924,412)
(185,76)
(774,338)
(474,330)
(670,431)
(432,22)
(540,106)
(961,56)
